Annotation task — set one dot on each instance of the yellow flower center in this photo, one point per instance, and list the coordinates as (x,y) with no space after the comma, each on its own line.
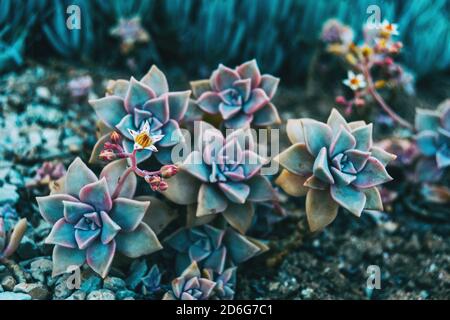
(354,81)
(143,139)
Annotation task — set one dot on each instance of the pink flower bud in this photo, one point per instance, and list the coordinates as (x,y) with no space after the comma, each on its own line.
(168,171)
(107,155)
(115,137)
(388,61)
(341,100)
(163,186)
(359,102)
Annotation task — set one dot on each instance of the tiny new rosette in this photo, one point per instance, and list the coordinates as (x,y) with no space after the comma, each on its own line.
(334,164)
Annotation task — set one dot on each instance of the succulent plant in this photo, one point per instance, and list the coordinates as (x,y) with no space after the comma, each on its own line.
(47,173)
(89,225)
(152,280)
(334,164)
(433,137)
(190,286)
(223,177)
(242,96)
(130,32)
(10,240)
(212,248)
(128,105)
(225,283)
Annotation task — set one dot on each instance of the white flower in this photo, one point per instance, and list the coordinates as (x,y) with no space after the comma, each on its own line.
(144,140)
(355,81)
(389,28)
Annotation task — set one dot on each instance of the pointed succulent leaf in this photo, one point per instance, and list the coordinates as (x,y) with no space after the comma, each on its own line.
(296,159)
(97,195)
(343,141)
(250,70)
(109,109)
(158,214)
(52,207)
(128,213)
(141,241)
(294,129)
(266,116)
(210,200)
(137,95)
(182,188)
(66,258)
(74,210)
(199,87)
(260,189)
(373,174)
(236,192)
(239,216)
(269,84)
(382,156)
(209,102)
(241,120)
(99,257)
(373,199)
(321,169)
(426,142)
(223,78)
(195,166)
(178,104)
(156,80)
(363,136)
(336,121)
(321,209)
(244,87)
(292,184)
(125,125)
(317,135)
(78,175)
(62,234)
(350,198)
(257,100)
(240,247)
(426,120)
(112,172)
(315,183)
(15,238)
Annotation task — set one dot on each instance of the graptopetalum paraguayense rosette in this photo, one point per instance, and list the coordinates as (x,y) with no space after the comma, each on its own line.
(334,164)
(89,226)
(242,96)
(433,139)
(212,248)
(222,177)
(128,105)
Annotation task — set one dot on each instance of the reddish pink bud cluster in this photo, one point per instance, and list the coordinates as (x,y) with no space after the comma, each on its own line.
(156,180)
(112,149)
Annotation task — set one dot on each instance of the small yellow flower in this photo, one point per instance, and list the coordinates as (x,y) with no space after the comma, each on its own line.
(389,29)
(144,140)
(355,81)
(366,51)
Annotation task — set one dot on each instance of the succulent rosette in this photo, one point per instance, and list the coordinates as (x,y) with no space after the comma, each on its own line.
(433,137)
(225,283)
(190,286)
(334,164)
(242,96)
(212,248)
(223,176)
(90,226)
(128,105)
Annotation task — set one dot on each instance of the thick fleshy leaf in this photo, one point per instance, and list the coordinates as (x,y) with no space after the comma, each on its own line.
(97,195)
(426,120)
(335,121)
(74,211)
(200,86)
(350,198)
(138,94)
(240,248)
(266,116)
(15,238)
(52,207)
(172,134)
(109,109)
(228,111)
(426,142)
(358,158)
(373,174)
(112,172)
(98,147)
(159,214)
(363,136)
(140,117)
(126,124)
(99,257)
(252,163)
(216,260)
(294,130)
(78,175)
(342,177)
(317,135)
(292,183)
(321,209)
(373,199)
(257,100)
(443,157)
(159,107)
(223,78)
(109,228)
(156,80)
(321,169)
(62,234)
(260,189)
(239,216)
(209,102)
(66,258)
(241,120)
(195,166)
(85,238)
(250,70)
(382,156)
(245,137)
(139,242)
(193,221)
(343,141)
(315,183)
(118,88)
(269,84)
(128,213)
(210,200)
(235,191)
(182,188)
(244,87)
(178,104)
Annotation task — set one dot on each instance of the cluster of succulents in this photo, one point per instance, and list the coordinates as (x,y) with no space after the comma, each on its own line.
(130,32)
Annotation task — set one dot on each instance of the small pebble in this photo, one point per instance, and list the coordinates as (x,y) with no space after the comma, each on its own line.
(14,296)
(102,294)
(113,284)
(77,295)
(8,283)
(36,290)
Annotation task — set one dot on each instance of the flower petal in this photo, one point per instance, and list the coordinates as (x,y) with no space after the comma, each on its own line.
(112,172)
(223,78)
(269,84)
(350,198)
(257,100)
(62,234)
(74,211)
(66,258)
(239,216)
(99,257)
(373,174)
(210,200)
(52,207)
(156,80)
(235,191)
(109,109)
(292,183)
(266,116)
(317,135)
(321,209)
(128,213)
(109,228)
(141,241)
(78,175)
(178,104)
(250,70)
(363,136)
(321,169)
(97,195)
(209,102)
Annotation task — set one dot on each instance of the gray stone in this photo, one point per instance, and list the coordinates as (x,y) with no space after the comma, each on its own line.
(61,290)
(36,290)
(27,249)
(8,283)
(90,284)
(102,294)
(113,284)
(77,295)
(14,296)
(125,294)
(41,267)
